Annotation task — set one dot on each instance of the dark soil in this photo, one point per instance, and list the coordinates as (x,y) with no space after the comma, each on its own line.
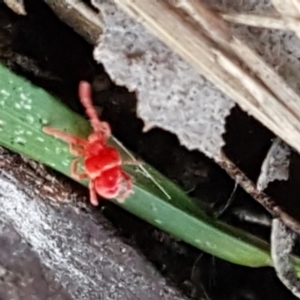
(60,60)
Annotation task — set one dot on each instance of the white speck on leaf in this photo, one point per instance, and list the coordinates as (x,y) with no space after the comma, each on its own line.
(210,245)
(20,140)
(19,132)
(40,139)
(30,119)
(57,150)
(27,106)
(44,121)
(66,162)
(23,96)
(18,106)
(157,221)
(4,92)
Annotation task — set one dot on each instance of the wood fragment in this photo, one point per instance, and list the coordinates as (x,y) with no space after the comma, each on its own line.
(79,16)
(16,6)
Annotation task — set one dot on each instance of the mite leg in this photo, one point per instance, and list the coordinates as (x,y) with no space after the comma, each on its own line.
(128,189)
(76,150)
(74,172)
(68,138)
(105,129)
(85,95)
(93,194)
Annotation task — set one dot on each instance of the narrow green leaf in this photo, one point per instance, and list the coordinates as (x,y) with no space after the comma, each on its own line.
(25,109)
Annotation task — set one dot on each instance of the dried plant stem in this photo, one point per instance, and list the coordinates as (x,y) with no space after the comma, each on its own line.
(213,25)
(270,22)
(267,202)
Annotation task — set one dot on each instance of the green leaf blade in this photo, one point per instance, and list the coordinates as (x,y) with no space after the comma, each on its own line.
(25,108)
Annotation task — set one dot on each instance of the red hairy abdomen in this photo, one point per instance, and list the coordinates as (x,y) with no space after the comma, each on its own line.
(108,183)
(106,159)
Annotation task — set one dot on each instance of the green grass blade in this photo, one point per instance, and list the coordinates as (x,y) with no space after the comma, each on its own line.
(25,109)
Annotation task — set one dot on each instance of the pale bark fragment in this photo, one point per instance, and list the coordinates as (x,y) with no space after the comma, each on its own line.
(79,16)
(16,6)
(275,166)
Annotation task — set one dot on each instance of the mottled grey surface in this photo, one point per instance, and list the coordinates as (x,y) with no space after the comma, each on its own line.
(171,94)
(84,254)
(22,275)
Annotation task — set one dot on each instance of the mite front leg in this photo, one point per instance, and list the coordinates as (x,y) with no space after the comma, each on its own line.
(85,95)
(74,173)
(105,129)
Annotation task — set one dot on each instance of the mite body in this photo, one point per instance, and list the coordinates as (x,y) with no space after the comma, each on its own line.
(102,163)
